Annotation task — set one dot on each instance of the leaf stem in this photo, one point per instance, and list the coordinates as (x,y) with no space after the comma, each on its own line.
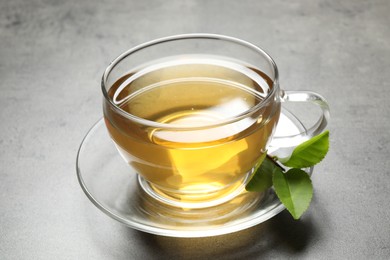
(274,159)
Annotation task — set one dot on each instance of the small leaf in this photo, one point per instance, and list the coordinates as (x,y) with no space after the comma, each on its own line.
(309,153)
(262,178)
(294,189)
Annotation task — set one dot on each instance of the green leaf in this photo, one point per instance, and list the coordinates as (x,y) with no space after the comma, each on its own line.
(309,153)
(262,177)
(294,189)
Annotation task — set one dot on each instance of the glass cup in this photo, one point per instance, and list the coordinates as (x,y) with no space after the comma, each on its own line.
(192,114)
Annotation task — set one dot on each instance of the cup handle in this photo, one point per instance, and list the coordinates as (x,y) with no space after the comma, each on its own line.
(317,128)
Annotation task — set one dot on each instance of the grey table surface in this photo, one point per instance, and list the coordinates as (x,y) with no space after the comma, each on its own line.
(52,55)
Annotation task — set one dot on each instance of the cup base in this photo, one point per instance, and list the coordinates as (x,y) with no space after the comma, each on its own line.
(194,200)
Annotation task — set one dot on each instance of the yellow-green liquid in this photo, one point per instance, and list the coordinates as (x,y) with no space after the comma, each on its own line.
(193,157)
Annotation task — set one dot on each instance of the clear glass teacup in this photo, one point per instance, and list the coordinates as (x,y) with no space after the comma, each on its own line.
(192,114)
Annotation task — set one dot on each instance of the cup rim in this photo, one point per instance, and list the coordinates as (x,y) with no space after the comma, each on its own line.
(210,36)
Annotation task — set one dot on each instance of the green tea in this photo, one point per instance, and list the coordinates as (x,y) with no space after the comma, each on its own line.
(192,152)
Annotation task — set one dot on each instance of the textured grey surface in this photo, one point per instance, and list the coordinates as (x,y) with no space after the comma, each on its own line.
(52,55)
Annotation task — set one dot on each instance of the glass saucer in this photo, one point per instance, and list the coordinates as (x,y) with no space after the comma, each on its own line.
(112,185)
